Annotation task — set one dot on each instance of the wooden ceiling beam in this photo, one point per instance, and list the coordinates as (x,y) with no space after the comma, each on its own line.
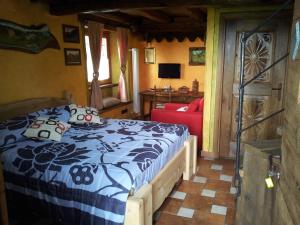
(120,19)
(64,7)
(196,14)
(159,17)
(107,22)
(195,27)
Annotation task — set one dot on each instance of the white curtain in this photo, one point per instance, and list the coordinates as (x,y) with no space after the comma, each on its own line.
(122,38)
(95,31)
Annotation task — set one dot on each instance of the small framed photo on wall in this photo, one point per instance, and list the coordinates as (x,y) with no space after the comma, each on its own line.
(71,33)
(149,55)
(197,56)
(72,56)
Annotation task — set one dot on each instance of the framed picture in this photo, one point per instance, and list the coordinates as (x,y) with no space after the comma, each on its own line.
(70,33)
(197,56)
(72,56)
(149,55)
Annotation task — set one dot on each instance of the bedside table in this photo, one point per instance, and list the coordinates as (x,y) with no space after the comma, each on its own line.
(3,207)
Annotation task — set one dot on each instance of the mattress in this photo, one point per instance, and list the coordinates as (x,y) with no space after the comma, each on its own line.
(87,177)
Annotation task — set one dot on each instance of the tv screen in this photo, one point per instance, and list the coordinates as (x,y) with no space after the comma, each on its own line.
(169,70)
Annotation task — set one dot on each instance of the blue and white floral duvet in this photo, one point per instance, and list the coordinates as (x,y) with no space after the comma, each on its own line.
(87,176)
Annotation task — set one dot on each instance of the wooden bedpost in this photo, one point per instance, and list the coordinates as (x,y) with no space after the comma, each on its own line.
(139,207)
(190,157)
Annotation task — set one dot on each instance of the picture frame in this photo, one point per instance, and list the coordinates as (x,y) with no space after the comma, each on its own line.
(197,56)
(70,33)
(72,56)
(149,55)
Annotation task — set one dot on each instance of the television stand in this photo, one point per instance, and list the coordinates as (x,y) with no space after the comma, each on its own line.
(157,95)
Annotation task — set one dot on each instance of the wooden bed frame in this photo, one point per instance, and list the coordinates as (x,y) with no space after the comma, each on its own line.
(139,207)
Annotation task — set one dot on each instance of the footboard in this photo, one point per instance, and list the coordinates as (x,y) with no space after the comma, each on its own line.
(141,206)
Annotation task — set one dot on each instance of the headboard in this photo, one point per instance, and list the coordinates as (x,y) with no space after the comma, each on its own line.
(23,107)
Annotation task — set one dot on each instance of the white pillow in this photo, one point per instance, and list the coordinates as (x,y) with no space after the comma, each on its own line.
(82,115)
(183,109)
(110,101)
(44,128)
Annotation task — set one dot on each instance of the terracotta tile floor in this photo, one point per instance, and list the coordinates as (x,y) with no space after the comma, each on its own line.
(207,199)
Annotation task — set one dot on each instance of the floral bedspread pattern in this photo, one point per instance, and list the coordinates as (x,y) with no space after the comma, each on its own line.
(93,168)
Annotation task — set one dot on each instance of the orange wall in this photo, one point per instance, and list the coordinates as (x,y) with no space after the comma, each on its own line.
(25,75)
(171,52)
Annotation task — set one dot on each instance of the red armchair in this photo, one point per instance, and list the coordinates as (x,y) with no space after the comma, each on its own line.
(192,118)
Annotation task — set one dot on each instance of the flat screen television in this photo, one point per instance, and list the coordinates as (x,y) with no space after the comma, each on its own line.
(169,70)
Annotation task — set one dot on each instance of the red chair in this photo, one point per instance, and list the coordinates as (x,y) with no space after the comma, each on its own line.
(192,117)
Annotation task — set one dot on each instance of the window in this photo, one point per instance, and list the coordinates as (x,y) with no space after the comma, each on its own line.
(104,68)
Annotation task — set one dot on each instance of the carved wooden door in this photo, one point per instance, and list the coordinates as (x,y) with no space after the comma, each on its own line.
(264,95)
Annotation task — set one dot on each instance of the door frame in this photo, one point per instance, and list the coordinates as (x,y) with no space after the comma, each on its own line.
(220,69)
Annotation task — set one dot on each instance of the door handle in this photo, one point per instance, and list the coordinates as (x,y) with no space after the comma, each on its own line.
(279,89)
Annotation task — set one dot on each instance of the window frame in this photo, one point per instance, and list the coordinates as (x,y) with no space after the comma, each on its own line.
(106,34)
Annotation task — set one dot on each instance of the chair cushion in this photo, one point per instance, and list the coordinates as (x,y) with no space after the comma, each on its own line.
(201,105)
(110,101)
(193,106)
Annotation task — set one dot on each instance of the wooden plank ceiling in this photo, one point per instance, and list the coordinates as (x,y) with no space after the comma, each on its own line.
(153,19)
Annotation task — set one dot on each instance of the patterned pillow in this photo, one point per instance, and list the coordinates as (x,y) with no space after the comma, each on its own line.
(61,113)
(45,128)
(12,130)
(81,115)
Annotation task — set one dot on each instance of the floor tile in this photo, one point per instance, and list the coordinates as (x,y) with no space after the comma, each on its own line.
(204,217)
(225,199)
(209,174)
(196,201)
(216,167)
(178,195)
(230,217)
(198,179)
(208,193)
(193,195)
(191,187)
(218,185)
(226,178)
(233,190)
(168,219)
(186,212)
(228,172)
(171,205)
(218,209)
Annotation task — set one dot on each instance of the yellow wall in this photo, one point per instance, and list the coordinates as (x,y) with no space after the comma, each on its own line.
(171,52)
(26,75)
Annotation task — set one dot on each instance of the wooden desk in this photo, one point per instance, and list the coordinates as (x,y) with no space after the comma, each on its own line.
(164,97)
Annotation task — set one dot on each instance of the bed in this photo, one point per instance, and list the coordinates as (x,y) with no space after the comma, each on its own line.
(133,198)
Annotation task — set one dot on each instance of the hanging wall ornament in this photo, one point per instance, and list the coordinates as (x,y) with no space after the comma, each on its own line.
(31,39)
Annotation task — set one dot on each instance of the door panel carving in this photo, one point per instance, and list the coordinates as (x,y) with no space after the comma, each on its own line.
(264,95)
